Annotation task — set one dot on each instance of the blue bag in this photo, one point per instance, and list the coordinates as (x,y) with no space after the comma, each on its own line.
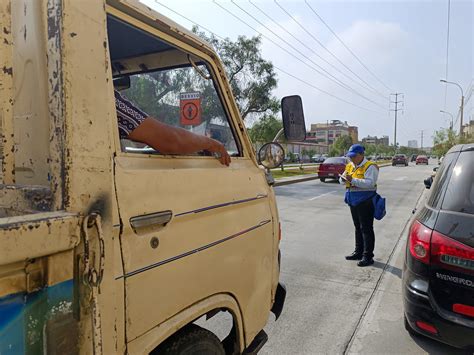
(379,206)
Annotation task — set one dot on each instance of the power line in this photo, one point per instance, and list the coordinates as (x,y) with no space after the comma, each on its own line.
(366,86)
(323,91)
(188,19)
(318,41)
(279,46)
(280,69)
(342,42)
(327,74)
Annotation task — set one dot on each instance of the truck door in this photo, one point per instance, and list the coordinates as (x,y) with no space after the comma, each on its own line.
(191,227)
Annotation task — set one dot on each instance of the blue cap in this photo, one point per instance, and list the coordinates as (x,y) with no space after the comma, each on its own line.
(355,149)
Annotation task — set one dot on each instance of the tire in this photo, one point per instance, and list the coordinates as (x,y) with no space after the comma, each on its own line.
(322,179)
(192,340)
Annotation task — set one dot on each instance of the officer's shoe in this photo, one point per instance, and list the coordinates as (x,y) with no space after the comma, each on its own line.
(354,256)
(365,262)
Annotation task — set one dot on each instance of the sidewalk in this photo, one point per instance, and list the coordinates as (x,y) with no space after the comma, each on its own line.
(381,329)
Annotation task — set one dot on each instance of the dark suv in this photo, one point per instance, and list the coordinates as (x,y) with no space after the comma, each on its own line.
(438,273)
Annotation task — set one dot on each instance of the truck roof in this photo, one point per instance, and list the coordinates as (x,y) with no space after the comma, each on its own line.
(162,21)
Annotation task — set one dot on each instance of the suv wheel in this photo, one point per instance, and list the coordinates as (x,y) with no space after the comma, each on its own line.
(322,179)
(191,340)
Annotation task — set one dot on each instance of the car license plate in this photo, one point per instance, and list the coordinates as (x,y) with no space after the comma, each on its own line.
(330,174)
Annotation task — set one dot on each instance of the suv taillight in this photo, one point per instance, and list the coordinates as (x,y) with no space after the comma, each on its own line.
(419,242)
(451,254)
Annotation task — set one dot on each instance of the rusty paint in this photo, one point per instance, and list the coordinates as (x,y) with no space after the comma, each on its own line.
(73,34)
(8,71)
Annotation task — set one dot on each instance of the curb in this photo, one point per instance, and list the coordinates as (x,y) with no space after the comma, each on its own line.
(288,181)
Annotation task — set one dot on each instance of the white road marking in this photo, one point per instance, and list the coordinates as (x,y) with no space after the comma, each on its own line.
(327,193)
(401,178)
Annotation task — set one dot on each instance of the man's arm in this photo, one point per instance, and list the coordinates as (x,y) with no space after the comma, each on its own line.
(369,180)
(173,140)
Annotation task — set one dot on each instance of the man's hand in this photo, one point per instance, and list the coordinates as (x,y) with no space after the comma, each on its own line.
(218,149)
(348,178)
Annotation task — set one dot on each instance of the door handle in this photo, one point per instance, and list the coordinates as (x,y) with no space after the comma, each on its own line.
(149,220)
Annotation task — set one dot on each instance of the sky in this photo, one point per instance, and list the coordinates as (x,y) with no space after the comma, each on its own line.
(399,47)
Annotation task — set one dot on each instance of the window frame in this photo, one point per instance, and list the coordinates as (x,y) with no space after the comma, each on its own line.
(187,49)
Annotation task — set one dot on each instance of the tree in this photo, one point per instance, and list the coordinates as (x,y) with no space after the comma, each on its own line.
(340,145)
(265,130)
(443,140)
(251,77)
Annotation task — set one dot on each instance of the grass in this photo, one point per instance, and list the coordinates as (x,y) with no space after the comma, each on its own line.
(277,174)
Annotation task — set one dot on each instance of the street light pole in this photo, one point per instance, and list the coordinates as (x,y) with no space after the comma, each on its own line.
(462,102)
(452,118)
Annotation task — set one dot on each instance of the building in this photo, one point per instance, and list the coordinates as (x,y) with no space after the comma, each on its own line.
(413,143)
(375,140)
(468,129)
(327,133)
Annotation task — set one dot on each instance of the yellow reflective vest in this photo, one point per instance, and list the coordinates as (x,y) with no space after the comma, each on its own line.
(358,173)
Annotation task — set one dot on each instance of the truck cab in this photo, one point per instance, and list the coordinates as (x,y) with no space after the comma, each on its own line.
(107,245)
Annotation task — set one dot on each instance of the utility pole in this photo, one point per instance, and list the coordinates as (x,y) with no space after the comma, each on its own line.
(422,140)
(396,102)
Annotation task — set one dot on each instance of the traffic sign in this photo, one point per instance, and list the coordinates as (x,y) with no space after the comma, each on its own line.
(190,108)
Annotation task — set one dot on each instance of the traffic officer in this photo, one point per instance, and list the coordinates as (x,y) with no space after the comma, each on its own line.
(360,177)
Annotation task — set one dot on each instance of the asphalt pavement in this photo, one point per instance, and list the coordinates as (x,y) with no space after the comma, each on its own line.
(333,306)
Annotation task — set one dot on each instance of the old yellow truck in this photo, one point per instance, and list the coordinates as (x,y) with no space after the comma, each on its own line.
(107,246)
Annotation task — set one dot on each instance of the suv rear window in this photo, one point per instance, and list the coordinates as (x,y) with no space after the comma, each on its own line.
(335,161)
(459,195)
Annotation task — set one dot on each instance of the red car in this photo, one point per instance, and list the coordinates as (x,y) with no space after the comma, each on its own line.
(421,159)
(331,168)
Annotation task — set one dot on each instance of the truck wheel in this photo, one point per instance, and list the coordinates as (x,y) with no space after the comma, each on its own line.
(192,340)
(322,179)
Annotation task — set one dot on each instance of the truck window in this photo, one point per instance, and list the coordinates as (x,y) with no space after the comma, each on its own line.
(167,84)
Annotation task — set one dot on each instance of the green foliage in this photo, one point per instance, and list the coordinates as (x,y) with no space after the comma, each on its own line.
(445,138)
(251,77)
(310,152)
(340,146)
(265,130)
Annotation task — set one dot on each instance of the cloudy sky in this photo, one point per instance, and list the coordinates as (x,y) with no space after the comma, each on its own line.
(401,43)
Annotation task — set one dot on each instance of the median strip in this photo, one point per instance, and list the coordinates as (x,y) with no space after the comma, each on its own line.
(293,177)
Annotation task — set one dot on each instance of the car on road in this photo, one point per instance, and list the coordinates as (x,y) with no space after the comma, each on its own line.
(331,168)
(317,159)
(421,159)
(438,272)
(399,159)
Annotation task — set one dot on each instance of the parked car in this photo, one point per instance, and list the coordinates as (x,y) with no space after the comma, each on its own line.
(293,158)
(413,157)
(331,168)
(317,159)
(438,272)
(400,159)
(421,159)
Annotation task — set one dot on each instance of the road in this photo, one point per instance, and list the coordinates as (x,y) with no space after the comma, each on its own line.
(333,306)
